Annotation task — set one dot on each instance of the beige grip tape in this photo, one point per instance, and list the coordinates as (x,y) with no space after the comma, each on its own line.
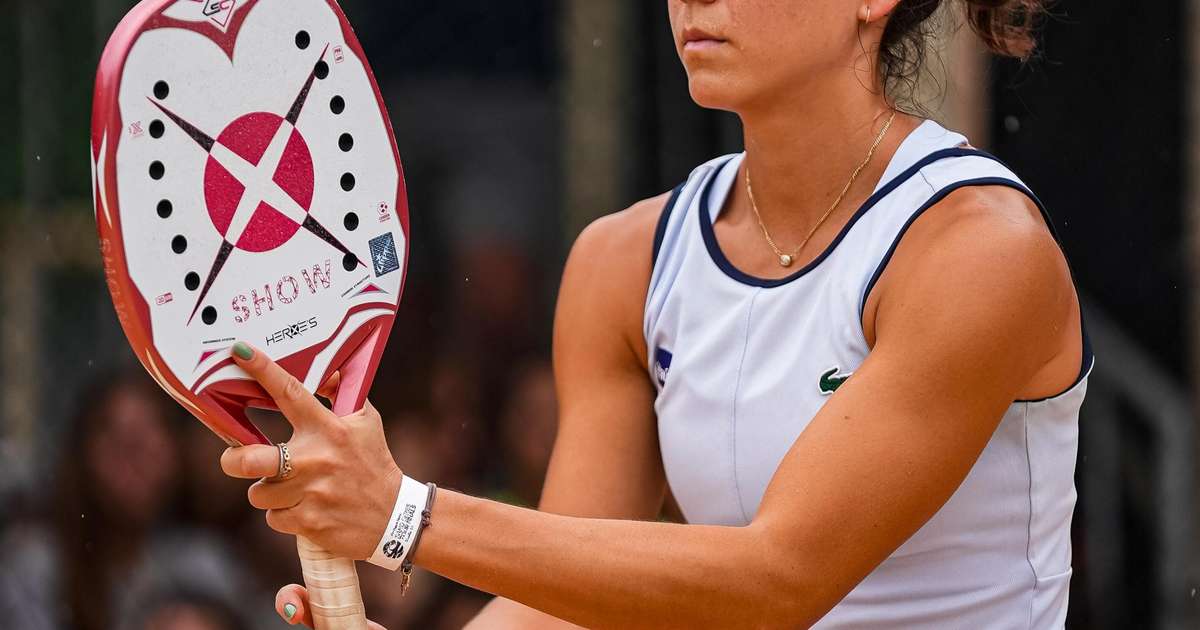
(333,596)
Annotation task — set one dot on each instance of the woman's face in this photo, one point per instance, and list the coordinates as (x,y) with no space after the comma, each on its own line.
(740,53)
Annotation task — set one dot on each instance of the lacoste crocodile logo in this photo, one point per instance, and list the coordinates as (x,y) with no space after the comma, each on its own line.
(831,381)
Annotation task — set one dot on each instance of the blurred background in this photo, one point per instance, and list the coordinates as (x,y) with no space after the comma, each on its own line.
(552,113)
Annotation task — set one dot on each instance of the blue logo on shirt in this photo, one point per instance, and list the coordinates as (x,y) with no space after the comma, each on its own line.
(662,365)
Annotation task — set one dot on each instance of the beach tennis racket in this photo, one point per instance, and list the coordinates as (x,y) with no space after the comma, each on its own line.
(248,187)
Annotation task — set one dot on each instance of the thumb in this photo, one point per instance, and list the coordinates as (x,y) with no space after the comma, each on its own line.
(296,597)
(292,604)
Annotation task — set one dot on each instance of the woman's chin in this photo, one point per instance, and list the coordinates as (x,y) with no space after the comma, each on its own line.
(713,90)
(713,95)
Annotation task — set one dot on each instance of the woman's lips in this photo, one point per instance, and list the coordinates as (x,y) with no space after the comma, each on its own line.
(699,39)
(702,44)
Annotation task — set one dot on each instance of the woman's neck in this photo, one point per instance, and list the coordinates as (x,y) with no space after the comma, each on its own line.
(802,150)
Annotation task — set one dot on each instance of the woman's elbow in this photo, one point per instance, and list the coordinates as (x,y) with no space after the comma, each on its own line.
(789,589)
(790,602)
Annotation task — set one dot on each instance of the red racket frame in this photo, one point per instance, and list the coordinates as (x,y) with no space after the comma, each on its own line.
(222,405)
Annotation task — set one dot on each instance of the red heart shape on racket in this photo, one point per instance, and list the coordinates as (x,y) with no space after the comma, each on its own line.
(247,187)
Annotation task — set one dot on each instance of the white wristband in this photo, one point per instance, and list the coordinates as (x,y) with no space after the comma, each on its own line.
(402,527)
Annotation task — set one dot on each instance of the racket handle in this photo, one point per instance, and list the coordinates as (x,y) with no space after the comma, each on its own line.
(333,596)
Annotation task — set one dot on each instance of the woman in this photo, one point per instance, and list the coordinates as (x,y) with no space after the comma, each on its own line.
(868,417)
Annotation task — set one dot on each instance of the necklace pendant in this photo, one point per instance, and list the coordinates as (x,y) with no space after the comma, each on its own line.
(785,260)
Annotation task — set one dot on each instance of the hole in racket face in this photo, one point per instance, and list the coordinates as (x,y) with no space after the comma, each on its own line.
(165,209)
(161,90)
(350,221)
(303,40)
(157,129)
(322,70)
(208,315)
(348,182)
(157,170)
(192,281)
(346,142)
(179,244)
(349,262)
(337,105)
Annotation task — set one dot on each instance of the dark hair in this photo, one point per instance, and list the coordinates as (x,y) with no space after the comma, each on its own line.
(1006,27)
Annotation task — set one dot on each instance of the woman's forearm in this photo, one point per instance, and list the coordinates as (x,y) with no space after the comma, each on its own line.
(611,573)
(593,572)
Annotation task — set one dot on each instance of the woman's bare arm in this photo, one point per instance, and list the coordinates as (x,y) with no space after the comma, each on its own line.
(959,336)
(606,417)
(969,326)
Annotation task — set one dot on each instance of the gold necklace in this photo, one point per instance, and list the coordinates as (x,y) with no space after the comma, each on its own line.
(785,259)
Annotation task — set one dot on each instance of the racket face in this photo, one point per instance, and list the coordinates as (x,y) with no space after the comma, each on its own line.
(247,187)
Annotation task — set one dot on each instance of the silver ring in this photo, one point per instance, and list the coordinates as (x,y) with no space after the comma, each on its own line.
(285,463)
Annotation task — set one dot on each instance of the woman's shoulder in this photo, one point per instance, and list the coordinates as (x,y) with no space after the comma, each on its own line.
(612,260)
(619,231)
(623,240)
(607,276)
(984,254)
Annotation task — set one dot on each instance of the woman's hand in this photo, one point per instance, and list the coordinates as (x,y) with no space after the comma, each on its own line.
(344,481)
(292,604)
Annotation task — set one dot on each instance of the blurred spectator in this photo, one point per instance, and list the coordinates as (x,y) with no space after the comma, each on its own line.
(110,544)
(216,504)
(210,498)
(457,427)
(186,611)
(528,424)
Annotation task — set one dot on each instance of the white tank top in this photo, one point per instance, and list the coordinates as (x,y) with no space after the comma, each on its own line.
(743,364)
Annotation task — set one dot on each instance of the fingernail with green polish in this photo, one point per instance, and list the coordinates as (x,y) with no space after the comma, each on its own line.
(289,610)
(243,351)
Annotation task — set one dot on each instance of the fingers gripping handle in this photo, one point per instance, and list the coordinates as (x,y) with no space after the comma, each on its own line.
(333,596)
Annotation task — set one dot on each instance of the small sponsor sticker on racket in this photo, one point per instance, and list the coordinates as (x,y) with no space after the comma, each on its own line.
(383,254)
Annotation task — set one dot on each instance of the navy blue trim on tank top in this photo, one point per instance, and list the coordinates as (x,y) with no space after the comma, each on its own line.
(660,232)
(718,257)
(1088,359)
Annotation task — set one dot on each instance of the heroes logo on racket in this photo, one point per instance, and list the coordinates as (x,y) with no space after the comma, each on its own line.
(247,187)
